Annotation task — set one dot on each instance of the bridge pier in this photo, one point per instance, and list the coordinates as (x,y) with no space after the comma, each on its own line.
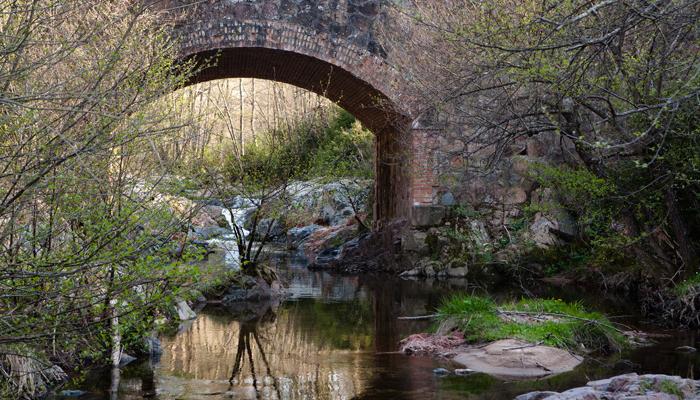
(406,181)
(424,184)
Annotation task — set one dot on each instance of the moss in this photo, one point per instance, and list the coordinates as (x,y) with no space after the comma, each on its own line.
(561,324)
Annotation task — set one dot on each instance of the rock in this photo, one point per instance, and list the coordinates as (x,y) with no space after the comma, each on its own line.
(478,233)
(203,220)
(415,241)
(328,256)
(627,387)
(550,227)
(686,349)
(464,371)
(457,272)
(542,232)
(517,359)
(251,290)
(435,241)
(582,393)
(153,346)
(297,235)
(183,310)
(216,214)
(273,232)
(427,216)
(441,372)
(447,199)
(125,360)
(412,272)
(536,395)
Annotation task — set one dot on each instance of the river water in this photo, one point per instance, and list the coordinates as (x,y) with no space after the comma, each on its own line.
(336,337)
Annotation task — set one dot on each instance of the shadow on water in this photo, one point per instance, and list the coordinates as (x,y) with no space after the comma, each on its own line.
(336,337)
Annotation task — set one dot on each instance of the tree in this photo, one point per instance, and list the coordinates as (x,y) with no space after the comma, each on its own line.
(87,261)
(617,81)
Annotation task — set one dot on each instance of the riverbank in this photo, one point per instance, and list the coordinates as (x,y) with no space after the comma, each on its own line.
(344,333)
(324,233)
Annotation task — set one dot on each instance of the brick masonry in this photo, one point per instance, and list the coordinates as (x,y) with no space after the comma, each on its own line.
(326,46)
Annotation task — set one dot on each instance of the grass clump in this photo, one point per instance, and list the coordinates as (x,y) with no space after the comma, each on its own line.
(549,322)
(688,286)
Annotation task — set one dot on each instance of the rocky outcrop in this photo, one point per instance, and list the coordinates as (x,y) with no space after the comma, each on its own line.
(427,268)
(627,387)
(252,289)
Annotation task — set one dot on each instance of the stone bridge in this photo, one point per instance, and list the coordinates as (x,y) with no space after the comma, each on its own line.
(330,47)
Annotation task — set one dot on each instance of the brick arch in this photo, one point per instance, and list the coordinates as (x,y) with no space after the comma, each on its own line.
(369,105)
(325,46)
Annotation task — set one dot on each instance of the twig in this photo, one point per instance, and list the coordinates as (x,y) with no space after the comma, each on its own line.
(419,317)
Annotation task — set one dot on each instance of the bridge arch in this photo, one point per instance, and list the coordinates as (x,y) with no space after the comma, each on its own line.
(327,47)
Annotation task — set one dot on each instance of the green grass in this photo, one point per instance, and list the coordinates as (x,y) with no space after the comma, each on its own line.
(482,320)
(687,286)
(670,387)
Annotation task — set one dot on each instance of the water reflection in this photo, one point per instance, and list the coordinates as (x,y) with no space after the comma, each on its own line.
(324,342)
(336,338)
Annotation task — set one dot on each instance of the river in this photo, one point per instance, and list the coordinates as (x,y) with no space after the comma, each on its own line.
(336,337)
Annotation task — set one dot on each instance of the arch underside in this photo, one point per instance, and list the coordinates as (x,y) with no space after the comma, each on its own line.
(355,95)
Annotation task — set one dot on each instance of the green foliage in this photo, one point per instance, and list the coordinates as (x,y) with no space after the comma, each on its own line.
(331,146)
(598,209)
(687,286)
(551,322)
(670,387)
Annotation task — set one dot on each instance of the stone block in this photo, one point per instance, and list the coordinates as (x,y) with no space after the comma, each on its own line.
(427,216)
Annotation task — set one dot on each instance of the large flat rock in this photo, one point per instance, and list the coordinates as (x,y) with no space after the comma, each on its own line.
(517,359)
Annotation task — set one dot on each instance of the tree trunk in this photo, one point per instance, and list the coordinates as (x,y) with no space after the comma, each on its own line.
(680,233)
(240,117)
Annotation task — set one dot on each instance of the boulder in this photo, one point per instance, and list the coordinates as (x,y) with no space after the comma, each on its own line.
(297,235)
(626,387)
(551,226)
(203,220)
(216,214)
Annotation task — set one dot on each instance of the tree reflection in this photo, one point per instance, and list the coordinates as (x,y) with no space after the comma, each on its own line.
(247,336)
